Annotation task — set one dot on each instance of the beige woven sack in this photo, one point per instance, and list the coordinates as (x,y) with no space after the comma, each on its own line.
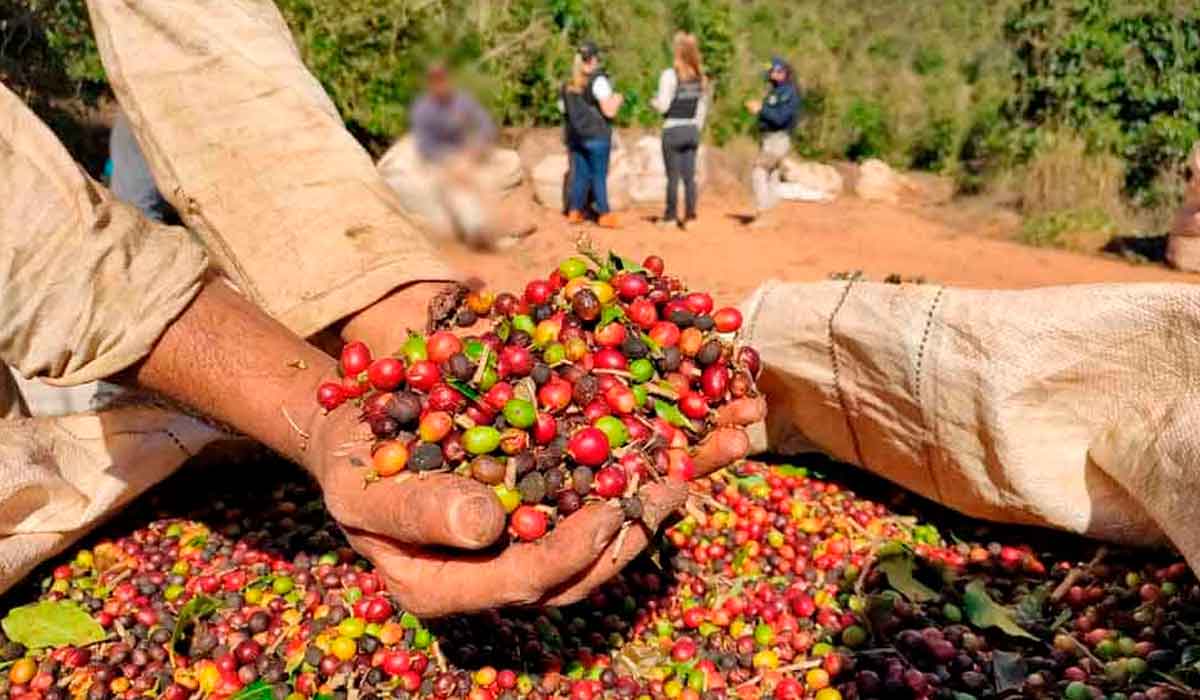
(1066,407)
(64,475)
(245,144)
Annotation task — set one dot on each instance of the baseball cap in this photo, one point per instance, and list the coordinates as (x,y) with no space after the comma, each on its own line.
(588,49)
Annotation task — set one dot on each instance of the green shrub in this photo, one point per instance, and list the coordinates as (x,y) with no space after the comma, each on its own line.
(1125,74)
(963,87)
(933,147)
(872,134)
(1077,229)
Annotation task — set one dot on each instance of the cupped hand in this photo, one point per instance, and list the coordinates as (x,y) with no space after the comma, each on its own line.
(722,447)
(425,533)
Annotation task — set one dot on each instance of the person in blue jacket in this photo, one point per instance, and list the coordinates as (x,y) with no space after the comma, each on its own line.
(777,115)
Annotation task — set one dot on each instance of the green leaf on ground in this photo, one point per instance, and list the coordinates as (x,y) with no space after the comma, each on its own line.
(258,690)
(1028,611)
(464,389)
(610,313)
(983,612)
(671,414)
(624,264)
(1009,670)
(51,623)
(195,609)
(899,568)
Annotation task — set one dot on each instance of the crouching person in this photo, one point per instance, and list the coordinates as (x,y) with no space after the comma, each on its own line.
(450,176)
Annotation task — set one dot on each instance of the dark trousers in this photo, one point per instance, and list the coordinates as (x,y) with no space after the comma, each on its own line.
(680,145)
(589,172)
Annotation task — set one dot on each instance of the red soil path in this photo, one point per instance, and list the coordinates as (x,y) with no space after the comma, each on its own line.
(807,243)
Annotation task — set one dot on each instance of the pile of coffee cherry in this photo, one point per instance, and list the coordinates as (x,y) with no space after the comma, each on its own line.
(779,584)
(595,380)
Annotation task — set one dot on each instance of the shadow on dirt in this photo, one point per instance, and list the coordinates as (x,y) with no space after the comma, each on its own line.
(1138,248)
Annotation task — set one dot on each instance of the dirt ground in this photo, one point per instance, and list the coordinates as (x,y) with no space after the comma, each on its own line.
(807,242)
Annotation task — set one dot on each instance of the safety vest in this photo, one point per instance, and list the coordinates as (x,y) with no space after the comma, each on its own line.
(686,102)
(585,121)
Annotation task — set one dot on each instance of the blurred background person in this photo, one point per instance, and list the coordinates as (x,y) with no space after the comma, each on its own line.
(682,99)
(778,113)
(451,179)
(449,124)
(590,104)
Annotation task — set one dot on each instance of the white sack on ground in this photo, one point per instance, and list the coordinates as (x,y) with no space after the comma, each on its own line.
(877,182)
(249,149)
(1067,407)
(446,210)
(647,182)
(419,195)
(807,181)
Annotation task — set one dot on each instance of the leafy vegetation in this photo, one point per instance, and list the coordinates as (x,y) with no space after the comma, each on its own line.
(969,89)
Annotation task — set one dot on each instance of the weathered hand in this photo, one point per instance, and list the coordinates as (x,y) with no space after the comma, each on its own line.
(396,523)
(754,106)
(425,534)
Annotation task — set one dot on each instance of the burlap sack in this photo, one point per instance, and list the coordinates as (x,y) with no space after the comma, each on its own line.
(550,181)
(246,145)
(648,176)
(63,475)
(1066,407)
(419,194)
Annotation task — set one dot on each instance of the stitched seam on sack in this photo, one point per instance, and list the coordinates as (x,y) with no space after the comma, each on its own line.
(178,443)
(755,311)
(918,393)
(837,382)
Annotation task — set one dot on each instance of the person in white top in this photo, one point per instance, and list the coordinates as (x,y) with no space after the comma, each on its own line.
(682,99)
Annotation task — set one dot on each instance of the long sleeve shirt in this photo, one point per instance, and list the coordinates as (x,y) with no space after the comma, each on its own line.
(781,110)
(87,284)
(667,83)
(442,129)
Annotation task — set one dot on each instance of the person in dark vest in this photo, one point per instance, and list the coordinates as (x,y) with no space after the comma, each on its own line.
(777,115)
(682,99)
(590,104)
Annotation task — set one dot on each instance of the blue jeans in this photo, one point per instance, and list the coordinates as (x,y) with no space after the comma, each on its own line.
(589,172)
